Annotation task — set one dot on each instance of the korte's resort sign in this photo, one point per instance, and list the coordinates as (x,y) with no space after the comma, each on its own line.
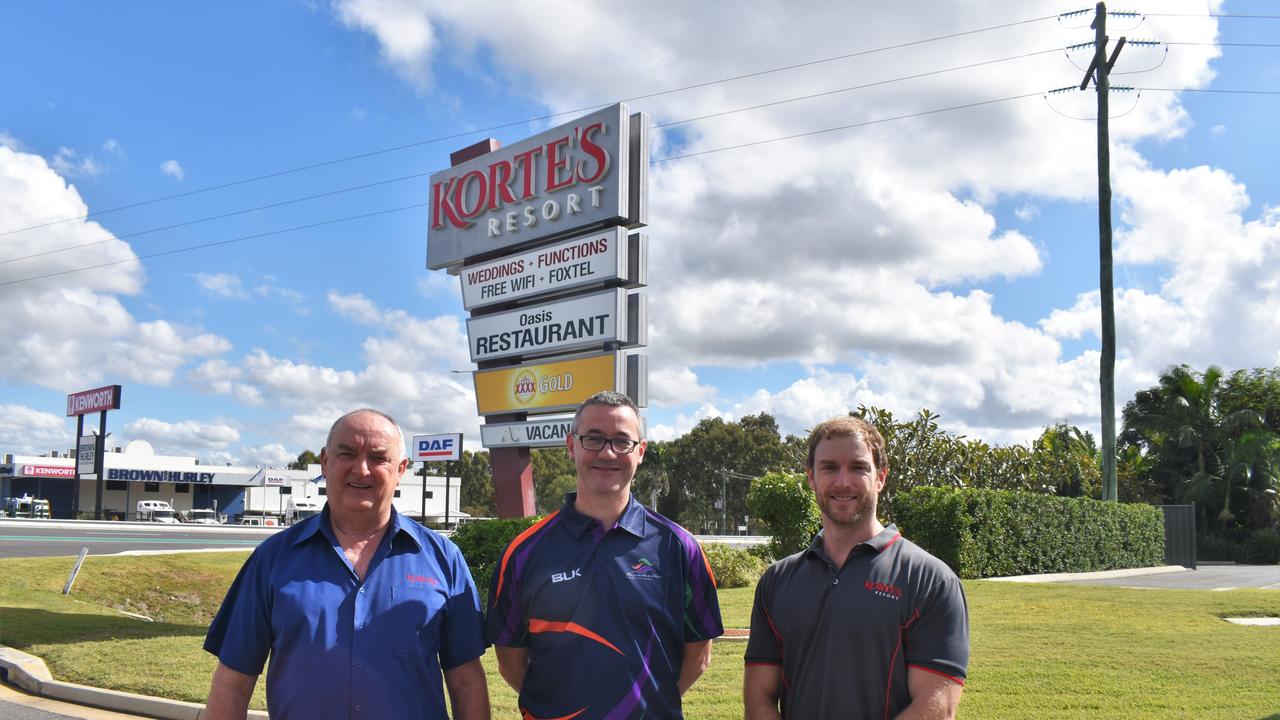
(540,236)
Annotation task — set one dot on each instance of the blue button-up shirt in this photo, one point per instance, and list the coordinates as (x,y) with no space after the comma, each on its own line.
(340,647)
(605,613)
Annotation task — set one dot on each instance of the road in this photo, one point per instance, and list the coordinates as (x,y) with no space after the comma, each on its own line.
(1205,577)
(53,538)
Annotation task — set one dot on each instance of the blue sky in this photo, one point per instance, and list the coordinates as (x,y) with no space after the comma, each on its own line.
(944,260)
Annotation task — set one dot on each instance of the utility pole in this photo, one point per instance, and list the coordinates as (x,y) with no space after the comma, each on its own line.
(1099,69)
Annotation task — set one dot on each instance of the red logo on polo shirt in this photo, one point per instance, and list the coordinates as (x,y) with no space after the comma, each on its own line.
(420,579)
(883,589)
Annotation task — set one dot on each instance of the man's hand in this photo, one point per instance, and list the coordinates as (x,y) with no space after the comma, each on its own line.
(513,664)
(229,694)
(933,696)
(760,688)
(697,658)
(468,691)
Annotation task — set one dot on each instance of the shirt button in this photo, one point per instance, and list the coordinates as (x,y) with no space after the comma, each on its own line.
(359,664)
(835,581)
(361,589)
(358,708)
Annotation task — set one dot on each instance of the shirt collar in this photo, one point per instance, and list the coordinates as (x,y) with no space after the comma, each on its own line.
(886,537)
(632,519)
(396,528)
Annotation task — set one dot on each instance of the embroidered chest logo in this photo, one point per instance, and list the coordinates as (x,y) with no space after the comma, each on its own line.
(883,589)
(643,569)
(569,575)
(420,579)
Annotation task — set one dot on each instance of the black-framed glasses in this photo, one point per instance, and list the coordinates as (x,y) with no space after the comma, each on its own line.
(595,443)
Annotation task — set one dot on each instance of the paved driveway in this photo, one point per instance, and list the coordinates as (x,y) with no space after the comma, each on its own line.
(1206,577)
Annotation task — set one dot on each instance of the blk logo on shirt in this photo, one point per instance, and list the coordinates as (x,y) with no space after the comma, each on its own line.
(562,576)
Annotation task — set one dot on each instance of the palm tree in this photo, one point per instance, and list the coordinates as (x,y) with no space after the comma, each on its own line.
(1200,452)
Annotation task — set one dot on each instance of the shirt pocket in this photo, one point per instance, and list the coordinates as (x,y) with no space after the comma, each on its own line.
(417,616)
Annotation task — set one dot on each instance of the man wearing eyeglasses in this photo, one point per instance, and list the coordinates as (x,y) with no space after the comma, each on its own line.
(603,609)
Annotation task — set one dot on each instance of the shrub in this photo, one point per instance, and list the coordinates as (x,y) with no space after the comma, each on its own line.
(1212,546)
(482,543)
(785,507)
(991,533)
(732,567)
(1262,547)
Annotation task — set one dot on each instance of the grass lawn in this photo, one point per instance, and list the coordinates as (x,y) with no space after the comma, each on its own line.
(1039,651)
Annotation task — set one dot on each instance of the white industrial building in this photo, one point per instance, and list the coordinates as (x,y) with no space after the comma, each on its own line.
(138,474)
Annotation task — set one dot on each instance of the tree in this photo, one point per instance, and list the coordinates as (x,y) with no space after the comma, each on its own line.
(1207,441)
(710,467)
(476,479)
(305,458)
(785,506)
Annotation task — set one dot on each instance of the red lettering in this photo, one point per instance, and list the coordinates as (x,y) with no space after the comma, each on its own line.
(597,153)
(500,174)
(555,163)
(528,166)
(441,203)
(460,194)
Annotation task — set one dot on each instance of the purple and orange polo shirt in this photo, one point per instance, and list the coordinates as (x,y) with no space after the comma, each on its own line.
(604,612)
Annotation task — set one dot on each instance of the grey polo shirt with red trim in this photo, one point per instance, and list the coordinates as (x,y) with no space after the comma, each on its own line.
(844,637)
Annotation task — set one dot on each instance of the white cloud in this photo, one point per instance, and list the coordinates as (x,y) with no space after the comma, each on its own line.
(11,142)
(1027,212)
(850,248)
(269,455)
(33,432)
(68,329)
(173,169)
(186,437)
(114,147)
(70,163)
(222,285)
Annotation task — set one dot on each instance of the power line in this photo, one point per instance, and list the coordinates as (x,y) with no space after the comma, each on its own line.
(849,126)
(855,87)
(323,223)
(175,251)
(429,172)
(669,158)
(1223,16)
(406,146)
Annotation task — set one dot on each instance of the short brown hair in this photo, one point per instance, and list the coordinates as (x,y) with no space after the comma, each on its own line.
(847,426)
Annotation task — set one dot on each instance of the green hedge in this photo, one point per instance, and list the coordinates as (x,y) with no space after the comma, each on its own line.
(995,533)
(482,543)
(732,567)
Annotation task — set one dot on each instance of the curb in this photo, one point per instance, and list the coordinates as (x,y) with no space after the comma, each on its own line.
(30,673)
(1097,575)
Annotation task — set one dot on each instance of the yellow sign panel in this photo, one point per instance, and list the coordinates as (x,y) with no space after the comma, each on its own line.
(545,386)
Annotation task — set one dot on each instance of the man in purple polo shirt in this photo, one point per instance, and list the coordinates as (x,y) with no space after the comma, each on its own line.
(604,609)
(863,623)
(359,608)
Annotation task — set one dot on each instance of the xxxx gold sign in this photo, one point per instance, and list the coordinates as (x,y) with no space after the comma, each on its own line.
(544,387)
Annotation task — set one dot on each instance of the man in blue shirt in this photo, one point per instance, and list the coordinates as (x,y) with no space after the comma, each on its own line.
(359,608)
(604,609)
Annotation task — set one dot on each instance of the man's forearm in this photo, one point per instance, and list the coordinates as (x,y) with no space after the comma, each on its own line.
(513,664)
(468,691)
(229,694)
(697,657)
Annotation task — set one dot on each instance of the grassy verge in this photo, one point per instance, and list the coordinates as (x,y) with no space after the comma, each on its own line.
(1039,651)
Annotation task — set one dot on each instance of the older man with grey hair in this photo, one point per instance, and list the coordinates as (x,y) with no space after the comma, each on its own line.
(359,609)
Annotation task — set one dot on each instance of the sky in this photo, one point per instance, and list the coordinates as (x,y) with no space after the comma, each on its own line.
(222,206)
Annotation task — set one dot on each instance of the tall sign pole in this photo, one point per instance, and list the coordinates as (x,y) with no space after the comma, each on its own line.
(90,449)
(436,448)
(539,234)
(1100,70)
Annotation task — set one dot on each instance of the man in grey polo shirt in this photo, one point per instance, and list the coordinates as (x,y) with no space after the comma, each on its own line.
(863,623)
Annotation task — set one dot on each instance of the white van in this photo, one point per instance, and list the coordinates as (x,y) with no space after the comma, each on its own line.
(300,509)
(156,511)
